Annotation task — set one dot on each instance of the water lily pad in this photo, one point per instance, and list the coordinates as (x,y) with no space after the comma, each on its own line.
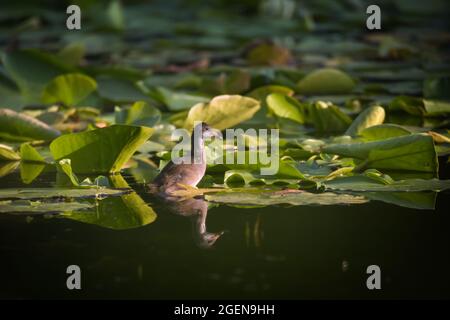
(291,197)
(223,111)
(69,89)
(7,153)
(101,150)
(413,152)
(285,107)
(26,206)
(21,127)
(326,81)
(371,116)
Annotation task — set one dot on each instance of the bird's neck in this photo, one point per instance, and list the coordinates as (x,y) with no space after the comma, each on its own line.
(197,150)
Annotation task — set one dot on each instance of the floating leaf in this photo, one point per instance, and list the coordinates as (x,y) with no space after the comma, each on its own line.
(243,177)
(414,152)
(63,193)
(139,114)
(288,196)
(101,150)
(31,70)
(26,206)
(437,87)
(326,81)
(269,54)
(119,90)
(7,153)
(21,127)
(30,154)
(285,107)
(223,111)
(261,93)
(176,101)
(363,183)
(420,107)
(69,89)
(371,116)
(383,131)
(327,117)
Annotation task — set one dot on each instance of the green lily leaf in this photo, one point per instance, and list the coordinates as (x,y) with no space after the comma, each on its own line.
(289,196)
(64,193)
(327,117)
(269,54)
(285,107)
(27,206)
(30,154)
(31,70)
(7,153)
(21,127)
(119,90)
(69,89)
(363,183)
(139,114)
(222,112)
(101,150)
(420,107)
(437,87)
(176,101)
(234,82)
(414,152)
(243,177)
(371,116)
(261,93)
(383,131)
(326,81)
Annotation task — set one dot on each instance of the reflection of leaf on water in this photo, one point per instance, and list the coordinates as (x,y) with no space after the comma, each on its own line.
(124,212)
(290,196)
(30,171)
(414,200)
(8,167)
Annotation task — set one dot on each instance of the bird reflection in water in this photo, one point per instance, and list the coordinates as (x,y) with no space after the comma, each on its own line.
(195,209)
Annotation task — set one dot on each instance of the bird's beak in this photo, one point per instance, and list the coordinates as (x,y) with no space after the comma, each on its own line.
(214,133)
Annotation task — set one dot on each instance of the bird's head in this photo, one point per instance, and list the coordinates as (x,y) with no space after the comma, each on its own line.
(206,131)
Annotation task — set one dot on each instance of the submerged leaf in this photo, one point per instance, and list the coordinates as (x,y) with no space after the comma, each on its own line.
(101,150)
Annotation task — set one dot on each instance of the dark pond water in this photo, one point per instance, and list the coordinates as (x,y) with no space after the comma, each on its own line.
(295,252)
